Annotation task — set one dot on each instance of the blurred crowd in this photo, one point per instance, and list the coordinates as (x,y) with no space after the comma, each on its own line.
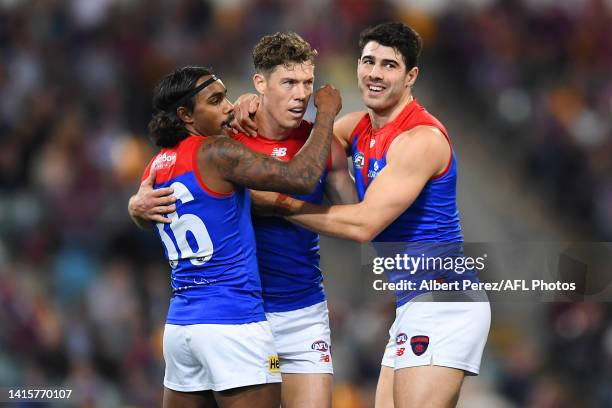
(83,293)
(539,73)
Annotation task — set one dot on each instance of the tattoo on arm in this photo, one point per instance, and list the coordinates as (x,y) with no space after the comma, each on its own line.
(238,164)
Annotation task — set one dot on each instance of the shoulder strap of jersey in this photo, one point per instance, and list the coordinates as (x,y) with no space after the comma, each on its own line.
(419,117)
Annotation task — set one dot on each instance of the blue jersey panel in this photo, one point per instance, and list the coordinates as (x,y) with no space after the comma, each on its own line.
(289,260)
(211,248)
(433,218)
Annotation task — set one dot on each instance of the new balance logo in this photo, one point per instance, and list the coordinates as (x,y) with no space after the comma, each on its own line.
(279,152)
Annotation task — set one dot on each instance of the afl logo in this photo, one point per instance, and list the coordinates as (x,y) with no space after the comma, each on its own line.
(359,160)
(401,338)
(320,346)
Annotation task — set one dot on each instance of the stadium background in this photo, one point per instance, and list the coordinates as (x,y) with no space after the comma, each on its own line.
(524,88)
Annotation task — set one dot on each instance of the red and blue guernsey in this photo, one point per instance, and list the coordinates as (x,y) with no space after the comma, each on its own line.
(287,254)
(429,230)
(209,244)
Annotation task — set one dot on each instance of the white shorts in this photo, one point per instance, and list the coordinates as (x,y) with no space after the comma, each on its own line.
(219,356)
(302,339)
(448,334)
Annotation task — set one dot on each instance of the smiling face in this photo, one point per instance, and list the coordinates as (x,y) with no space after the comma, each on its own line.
(383,78)
(212,111)
(286,92)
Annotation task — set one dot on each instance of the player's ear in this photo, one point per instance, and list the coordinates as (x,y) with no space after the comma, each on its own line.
(184,115)
(259,81)
(411,77)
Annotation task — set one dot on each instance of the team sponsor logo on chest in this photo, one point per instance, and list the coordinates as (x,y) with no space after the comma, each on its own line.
(163,161)
(374,168)
(279,152)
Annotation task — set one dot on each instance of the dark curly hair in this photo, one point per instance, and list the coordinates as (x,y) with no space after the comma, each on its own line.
(397,35)
(166,129)
(281,49)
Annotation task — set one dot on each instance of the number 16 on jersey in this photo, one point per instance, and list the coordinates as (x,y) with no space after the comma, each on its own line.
(180,226)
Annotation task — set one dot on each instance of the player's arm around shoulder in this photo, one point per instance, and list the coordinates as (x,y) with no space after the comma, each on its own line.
(149,205)
(412,160)
(222,159)
(339,189)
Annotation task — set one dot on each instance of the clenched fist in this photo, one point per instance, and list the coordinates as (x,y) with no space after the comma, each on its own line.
(328,100)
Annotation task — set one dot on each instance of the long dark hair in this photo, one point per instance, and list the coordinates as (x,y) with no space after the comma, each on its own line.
(166,129)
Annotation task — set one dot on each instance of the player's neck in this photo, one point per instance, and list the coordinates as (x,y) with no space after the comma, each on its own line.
(193,131)
(269,128)
(381,117)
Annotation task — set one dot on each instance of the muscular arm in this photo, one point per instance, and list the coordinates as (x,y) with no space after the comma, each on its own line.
(240,165)
(339,186)
(413,158)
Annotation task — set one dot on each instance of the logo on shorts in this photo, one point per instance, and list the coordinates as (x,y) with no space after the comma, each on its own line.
(401,338)
(419,344)
(320,345)
(359,160)
(325,358)
(273,365)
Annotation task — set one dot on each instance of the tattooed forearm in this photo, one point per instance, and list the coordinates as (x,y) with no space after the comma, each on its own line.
(242,166)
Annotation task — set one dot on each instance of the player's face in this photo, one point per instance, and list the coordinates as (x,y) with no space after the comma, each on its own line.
(382,76)
(212,110)
(286,92)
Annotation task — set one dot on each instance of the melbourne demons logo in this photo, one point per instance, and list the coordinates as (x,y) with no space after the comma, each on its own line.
(359,160)
(419,344)
(401,338)
(320,345)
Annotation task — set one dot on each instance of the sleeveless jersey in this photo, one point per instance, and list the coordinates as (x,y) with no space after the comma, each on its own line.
(209,244)
(287,254)
(430,227)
